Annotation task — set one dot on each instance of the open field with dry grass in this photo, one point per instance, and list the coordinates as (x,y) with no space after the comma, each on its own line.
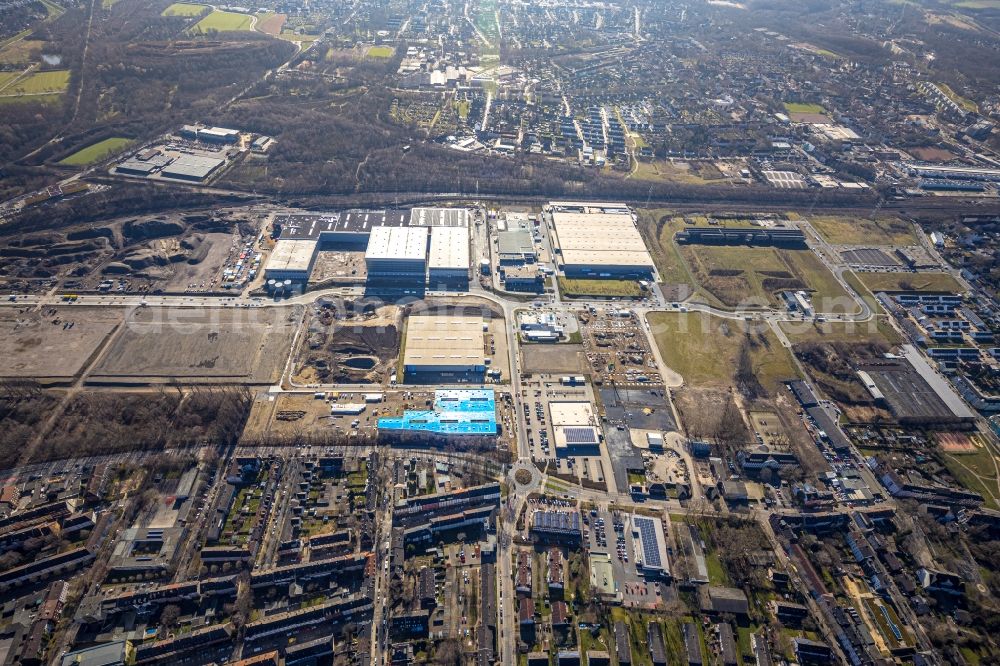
(705,349)
(54,343)
(234,346)
(739,276)
(842,230)
(910,282)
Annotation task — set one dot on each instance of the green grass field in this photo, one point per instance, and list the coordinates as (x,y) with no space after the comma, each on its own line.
(963,102)
(800,107)
(291,35)
(54,10)
(97,152)
(977,472)
(184,9)
(910,282)
(738,276)
(380,52)
(581,287)
(665,171)
(978,4)
(47,98)
(660,241)
(705,349)
(856,231)
(222,22)
(6,78)
(40,82)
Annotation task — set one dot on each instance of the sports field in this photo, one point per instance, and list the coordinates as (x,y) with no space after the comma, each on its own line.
(910,282)
(380,52)
(862,231)
(705,349)
(184,9)
(746,276)
(97,152)
(220,21)
(800,107)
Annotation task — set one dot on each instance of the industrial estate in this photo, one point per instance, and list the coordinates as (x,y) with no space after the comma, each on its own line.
(574,433)
(574,333)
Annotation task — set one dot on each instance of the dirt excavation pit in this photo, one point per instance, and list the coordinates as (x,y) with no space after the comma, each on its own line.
(343,346)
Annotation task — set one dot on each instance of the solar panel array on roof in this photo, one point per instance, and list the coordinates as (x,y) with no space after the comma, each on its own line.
(576,436)
(650,547)
(557,521)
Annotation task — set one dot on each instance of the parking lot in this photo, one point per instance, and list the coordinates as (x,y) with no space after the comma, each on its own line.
(611,533)
(537,393)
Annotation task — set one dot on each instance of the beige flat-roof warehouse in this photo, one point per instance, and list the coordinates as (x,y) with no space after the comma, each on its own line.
(449,248)
(291,260)
(449,255)
(595,243)
(574,426)
(444,343)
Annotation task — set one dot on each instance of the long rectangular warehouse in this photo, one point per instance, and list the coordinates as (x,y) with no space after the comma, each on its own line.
(600,245)
(444,344)
(449,257)
(351,226)
(195,168)
(291,260)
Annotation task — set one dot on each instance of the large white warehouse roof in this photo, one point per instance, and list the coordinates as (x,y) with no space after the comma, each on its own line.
(388,243)
(449,248)
(600,239)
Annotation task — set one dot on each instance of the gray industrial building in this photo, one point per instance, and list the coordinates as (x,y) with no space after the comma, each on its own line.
(136,166)
(396,243)
(210,134)
(515,246)
(352,227)
(291,260)
(194,168)
(776,236)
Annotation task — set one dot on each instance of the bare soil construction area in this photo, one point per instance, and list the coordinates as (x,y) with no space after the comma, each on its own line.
(54,343)
(361,348)
(569,358)
(208,346)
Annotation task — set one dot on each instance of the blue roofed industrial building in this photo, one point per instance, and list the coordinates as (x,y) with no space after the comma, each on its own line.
(456,413)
